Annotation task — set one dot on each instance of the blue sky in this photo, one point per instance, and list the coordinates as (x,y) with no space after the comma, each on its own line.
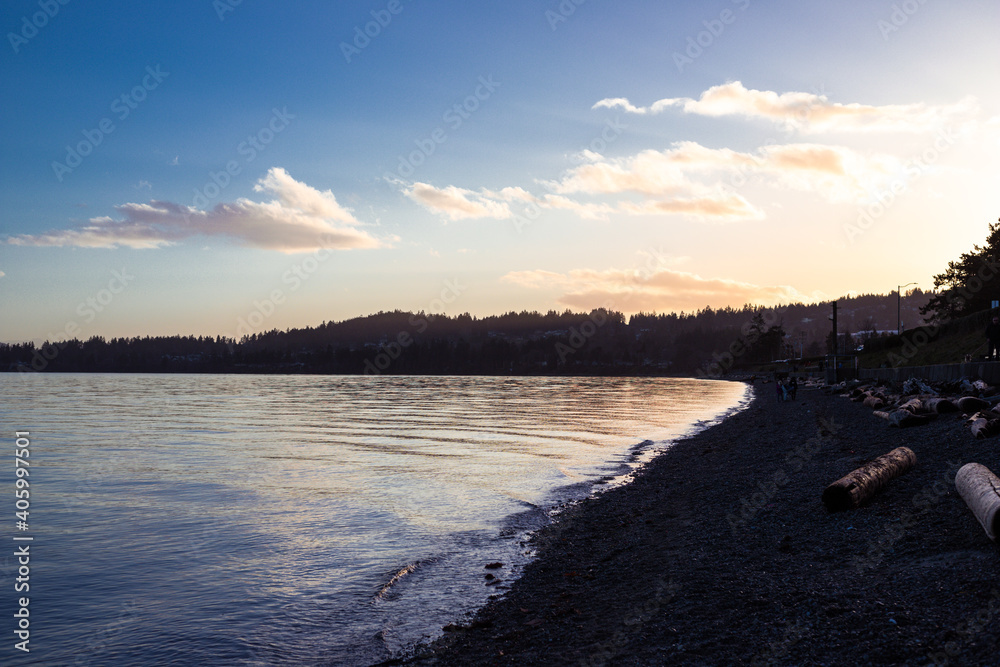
(271,163)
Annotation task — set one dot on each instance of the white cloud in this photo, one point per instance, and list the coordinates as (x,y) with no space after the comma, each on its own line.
(724,206)
(663,290)
(301,219)
(687,179)
(807,112)
(688,172)
(457,203)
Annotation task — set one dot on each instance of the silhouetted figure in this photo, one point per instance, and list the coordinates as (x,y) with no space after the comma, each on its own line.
(993,336)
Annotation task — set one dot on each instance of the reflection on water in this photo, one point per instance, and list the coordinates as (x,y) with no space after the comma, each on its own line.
(302,519)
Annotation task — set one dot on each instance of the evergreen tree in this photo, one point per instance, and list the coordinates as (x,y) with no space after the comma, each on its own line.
(969,283)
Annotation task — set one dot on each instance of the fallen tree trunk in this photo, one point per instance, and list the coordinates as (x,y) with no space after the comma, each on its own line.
(859,486)
(914,405)
(874,402)
(972,404)
(905,418)
(940,405)
(980,489)
(984,426)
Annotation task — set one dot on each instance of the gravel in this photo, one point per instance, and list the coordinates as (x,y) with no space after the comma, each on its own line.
(720,552)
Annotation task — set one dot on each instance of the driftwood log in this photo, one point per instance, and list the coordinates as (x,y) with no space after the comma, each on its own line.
(914,405)
(874,402)
(905,419)
(859,486)
(940,405)
(980,489)
(972,404)
(984,425)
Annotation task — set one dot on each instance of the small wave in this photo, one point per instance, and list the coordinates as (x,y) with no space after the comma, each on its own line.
(407,569)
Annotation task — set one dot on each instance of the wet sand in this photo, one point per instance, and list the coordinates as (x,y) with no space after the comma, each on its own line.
(720,552)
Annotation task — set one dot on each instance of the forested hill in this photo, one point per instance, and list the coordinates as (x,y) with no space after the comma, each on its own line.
(397,342)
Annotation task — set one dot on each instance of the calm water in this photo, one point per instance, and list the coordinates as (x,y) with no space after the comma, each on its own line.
(219,520)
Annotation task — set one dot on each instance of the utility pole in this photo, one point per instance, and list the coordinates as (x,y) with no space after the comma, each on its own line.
(899,301)
(835,343)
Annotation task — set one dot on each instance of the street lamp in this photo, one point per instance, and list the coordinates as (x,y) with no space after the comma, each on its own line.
(899,299)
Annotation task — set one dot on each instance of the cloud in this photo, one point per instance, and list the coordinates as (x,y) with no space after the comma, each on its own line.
(662,290)
(2,274)
(300,219)
(721,207)
(687,179)
(806,112)
(691,178)
(457,203)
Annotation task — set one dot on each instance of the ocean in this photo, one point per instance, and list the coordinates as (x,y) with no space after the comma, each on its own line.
(297,520)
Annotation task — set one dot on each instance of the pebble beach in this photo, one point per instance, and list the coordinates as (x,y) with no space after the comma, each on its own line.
(720,552)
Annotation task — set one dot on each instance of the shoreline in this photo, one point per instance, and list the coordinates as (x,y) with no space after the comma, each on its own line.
(719,551)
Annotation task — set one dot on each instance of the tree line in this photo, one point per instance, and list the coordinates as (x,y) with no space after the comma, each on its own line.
(706,341)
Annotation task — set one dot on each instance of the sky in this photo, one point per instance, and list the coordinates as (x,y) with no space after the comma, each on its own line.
(222,167)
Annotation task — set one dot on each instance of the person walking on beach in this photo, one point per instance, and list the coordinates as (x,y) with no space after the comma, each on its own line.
(993,337)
